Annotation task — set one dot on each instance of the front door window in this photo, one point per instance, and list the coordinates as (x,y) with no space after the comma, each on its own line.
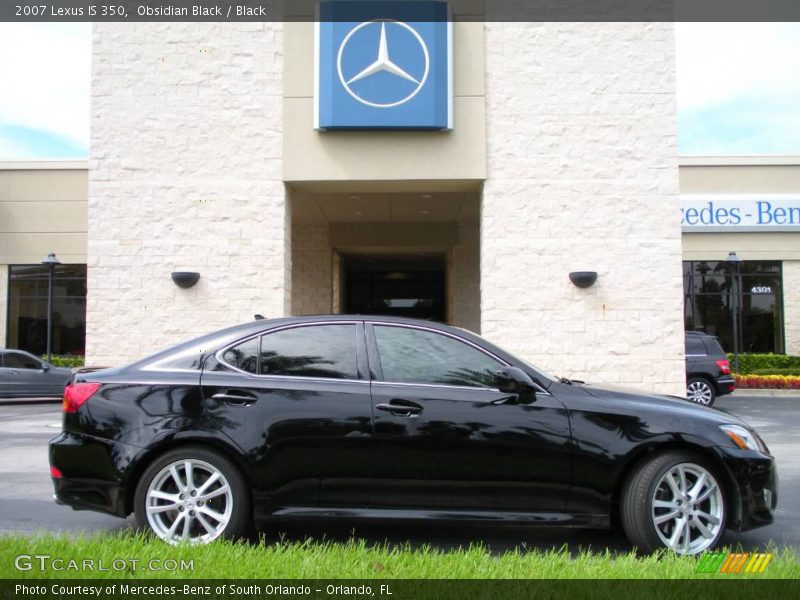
(419,356)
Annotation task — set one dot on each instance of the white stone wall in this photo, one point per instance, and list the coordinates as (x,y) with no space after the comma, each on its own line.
(463,279)
(312,260)
(582,175)
(791,305)
(185,174)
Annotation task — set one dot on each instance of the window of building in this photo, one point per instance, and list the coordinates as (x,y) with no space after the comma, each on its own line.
(419,356)
(710,294)
(27,309)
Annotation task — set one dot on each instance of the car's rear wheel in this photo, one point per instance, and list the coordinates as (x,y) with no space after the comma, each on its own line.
(701,391)
(674,501)
(193,495)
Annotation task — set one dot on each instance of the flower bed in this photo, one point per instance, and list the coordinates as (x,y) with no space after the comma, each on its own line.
(781,382)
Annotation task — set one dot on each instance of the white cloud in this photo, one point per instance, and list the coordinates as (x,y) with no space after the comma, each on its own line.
(45,71)
(725,62)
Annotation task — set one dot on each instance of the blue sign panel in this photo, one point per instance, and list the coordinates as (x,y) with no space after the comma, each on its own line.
(378,72)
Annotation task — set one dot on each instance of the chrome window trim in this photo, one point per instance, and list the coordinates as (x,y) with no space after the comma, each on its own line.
(291,377)
(152,369)
(218,354)
(539,389)
(438,385)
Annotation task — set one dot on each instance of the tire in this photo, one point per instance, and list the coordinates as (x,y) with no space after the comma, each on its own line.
(213,502)
(656,515)
(701,391)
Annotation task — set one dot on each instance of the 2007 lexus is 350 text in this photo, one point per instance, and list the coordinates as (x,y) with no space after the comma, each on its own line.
(361,417)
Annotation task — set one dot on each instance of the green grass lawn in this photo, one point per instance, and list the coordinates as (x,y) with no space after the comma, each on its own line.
(354,559)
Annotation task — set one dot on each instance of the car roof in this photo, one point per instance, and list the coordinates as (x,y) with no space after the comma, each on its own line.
(230,335)
(699,334)
(17,350)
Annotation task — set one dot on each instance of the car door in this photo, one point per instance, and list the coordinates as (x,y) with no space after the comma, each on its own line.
(26,376)
(297,401)
(446,438)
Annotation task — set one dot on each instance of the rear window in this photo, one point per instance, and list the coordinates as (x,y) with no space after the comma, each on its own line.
(714,346)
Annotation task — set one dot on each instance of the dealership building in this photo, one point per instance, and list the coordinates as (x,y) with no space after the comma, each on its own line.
(456,171)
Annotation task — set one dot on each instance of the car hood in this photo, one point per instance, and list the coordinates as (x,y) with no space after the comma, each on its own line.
(679,407)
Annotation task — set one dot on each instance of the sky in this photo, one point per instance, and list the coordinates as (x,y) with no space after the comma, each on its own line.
(738,89)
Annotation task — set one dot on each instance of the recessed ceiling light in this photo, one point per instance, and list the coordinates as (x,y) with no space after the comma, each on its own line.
(424,212)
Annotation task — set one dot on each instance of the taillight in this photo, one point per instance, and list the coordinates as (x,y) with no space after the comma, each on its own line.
(724,366)
(55,473)
(75,394)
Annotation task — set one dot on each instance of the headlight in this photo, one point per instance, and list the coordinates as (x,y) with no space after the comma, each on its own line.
(743,438)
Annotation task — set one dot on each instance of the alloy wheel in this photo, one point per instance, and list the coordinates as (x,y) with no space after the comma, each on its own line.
(688,509)
(190,501)
(700,392)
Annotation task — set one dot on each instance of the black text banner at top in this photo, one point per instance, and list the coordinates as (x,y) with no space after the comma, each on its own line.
(401,10)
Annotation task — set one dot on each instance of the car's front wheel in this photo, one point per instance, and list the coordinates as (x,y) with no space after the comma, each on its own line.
(701,391)
(674,501)
(193,495)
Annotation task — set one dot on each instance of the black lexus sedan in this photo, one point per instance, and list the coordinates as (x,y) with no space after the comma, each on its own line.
(360,417)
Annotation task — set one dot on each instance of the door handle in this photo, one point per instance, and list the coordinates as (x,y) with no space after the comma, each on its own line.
(407,409)
(505,400)
(237,399)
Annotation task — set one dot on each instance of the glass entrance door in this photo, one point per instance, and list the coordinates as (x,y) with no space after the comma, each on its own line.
(413,287)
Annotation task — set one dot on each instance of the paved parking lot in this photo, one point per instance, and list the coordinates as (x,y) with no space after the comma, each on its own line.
(27,506)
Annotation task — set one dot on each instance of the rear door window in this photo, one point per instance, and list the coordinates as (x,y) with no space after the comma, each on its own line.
(326,351)
(243,356)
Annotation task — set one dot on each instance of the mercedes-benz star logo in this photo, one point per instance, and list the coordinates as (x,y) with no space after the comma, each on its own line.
(383,64)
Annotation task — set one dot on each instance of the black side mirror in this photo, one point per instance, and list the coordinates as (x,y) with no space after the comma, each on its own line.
(45,367)
(513,380)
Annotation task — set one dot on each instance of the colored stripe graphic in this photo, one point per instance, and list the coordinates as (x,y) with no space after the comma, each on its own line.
(734,563)
(766,562)
(740,562)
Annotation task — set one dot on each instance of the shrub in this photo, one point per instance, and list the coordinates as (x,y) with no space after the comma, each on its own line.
(66,361)
(789,371)
(750,363)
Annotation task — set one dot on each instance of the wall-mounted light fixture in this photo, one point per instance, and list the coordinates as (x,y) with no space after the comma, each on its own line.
(583,279)
(185,279)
